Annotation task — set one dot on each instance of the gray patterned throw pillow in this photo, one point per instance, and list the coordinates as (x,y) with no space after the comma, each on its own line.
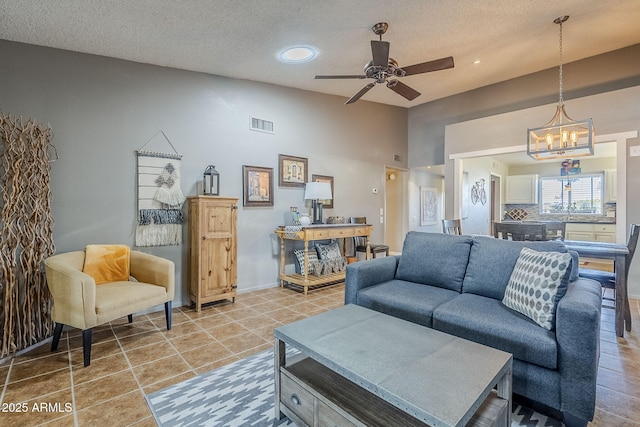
(329,251)
(313,256)
(536,285)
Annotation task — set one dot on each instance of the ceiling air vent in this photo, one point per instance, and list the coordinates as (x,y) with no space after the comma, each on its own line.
(261,125)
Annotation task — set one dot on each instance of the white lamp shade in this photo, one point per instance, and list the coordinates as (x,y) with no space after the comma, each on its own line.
(318,191)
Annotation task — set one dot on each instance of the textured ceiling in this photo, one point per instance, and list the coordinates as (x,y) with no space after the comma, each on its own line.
(240,38)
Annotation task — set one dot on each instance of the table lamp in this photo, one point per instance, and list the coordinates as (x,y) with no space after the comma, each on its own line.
(317,192)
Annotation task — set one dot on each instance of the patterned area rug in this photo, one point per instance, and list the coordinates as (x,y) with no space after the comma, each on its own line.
(241,394)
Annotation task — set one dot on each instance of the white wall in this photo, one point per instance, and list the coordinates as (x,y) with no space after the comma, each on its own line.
(587,165)
(102,110)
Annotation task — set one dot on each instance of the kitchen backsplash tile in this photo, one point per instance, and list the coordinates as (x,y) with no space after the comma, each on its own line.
(532,213)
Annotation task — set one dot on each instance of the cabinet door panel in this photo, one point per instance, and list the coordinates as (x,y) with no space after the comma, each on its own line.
(605,237)
(579,235)
(522,189)
(216,268)
(217,221)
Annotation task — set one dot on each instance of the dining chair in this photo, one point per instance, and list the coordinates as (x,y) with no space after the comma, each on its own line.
(555,229)
(520,231)
(608,279)
(361,241)
(452,226)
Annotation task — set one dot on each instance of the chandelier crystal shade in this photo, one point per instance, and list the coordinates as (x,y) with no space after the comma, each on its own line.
(562,136)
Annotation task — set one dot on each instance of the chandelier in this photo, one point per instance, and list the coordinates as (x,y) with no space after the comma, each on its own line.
(562,136)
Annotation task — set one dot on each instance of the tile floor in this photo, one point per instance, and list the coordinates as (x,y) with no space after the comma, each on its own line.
(131,360)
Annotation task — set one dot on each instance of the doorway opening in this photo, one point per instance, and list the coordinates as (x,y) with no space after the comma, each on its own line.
(395,203)
(495,194)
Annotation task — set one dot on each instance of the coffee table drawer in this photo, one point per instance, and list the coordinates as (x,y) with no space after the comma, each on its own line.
(327,417)
(297,399)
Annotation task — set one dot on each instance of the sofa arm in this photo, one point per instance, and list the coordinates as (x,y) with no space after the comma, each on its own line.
(578,336)
(73,292)
(153,269)
(362,274)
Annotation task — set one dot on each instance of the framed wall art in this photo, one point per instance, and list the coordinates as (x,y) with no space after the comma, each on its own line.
(328,204)
(258,186)
(429,206)
(293,171)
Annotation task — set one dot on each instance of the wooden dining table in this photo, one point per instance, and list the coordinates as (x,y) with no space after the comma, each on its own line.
(618,253)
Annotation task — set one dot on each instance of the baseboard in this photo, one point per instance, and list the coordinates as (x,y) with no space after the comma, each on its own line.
(258,287)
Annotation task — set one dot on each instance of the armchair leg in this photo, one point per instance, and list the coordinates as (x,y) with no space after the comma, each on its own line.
(86,346)
(167,314)
(56,336)
(130,318)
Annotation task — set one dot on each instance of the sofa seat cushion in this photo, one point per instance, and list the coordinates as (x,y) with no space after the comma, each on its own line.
(117,299)
(491,262)
(434,259)
(487,321)
(410,301)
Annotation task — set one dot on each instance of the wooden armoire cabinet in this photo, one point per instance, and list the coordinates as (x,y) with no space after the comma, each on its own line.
(213,249)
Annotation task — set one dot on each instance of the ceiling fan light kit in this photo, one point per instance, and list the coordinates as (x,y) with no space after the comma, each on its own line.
(384,69)
(561,136)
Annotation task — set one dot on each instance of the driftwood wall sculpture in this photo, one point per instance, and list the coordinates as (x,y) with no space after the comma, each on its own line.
(26,233)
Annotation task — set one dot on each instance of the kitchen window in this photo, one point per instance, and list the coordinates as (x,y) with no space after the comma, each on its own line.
(572,194)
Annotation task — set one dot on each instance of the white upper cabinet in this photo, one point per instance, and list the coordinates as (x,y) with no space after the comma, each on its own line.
(610,186)
(522,189)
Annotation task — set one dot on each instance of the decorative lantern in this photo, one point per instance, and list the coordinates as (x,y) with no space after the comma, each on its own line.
(211,181)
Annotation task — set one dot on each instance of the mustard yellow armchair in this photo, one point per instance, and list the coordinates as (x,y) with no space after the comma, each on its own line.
(80,303)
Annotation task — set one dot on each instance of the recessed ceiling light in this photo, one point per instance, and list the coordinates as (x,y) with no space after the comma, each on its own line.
(477,61)
(297,54)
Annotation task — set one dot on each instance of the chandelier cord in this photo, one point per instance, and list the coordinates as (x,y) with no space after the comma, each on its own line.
(561,101)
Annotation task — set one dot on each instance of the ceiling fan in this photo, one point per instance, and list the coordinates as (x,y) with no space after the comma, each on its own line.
(382,67)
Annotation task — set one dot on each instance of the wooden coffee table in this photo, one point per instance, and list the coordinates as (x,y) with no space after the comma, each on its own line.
(360,367)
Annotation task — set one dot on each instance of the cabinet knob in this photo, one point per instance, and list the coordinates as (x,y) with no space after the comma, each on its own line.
(295,399)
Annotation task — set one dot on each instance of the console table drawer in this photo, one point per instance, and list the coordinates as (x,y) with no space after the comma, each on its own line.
(335,233)
(297,399)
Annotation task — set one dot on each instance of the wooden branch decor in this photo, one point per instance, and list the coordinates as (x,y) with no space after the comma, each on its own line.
(26,233)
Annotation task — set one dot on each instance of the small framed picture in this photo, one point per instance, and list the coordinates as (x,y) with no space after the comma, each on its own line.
(323,178)
(258,186)
(293,171)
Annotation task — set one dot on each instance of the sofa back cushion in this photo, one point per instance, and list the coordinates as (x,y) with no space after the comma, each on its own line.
(434,259)
(491,262)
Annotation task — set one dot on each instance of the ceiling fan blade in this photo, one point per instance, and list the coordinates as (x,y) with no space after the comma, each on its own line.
(358,95)
(380,52)
(402,89)
(346,76)
(426,67)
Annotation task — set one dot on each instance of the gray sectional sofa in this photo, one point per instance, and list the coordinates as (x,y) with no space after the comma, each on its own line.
(456,284)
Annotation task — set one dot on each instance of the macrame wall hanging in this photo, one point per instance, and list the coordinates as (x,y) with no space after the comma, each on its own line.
(160,198)
(26,232)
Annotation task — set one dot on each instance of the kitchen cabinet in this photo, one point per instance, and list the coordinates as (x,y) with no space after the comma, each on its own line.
(610,186)
(591,232)
(522,189)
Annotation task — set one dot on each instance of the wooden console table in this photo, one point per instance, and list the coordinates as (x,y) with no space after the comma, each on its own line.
(317,232)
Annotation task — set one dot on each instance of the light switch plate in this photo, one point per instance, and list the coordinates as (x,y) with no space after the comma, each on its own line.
(634,151)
